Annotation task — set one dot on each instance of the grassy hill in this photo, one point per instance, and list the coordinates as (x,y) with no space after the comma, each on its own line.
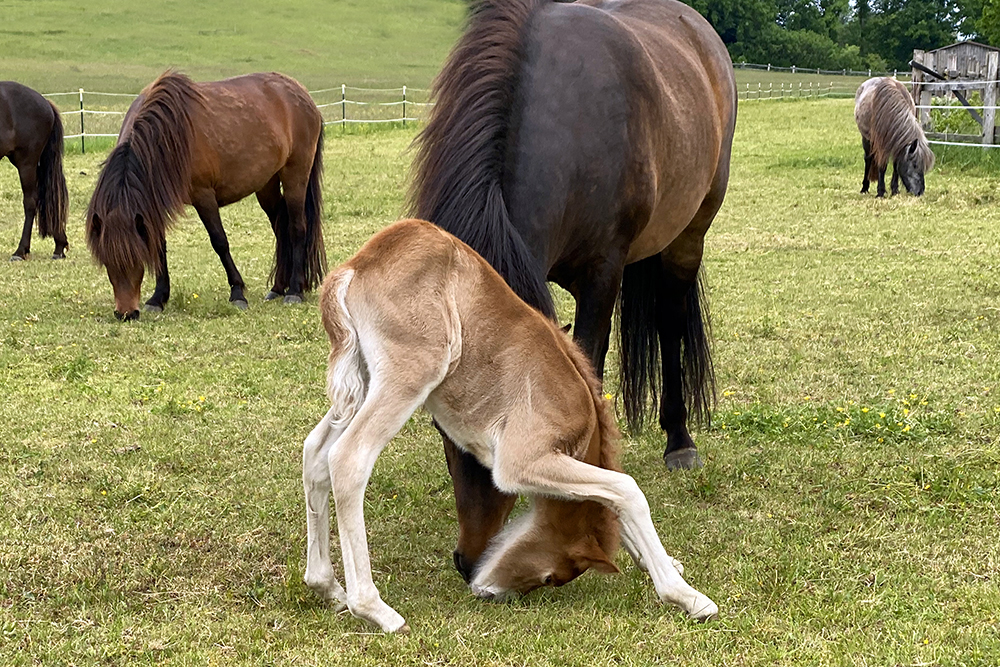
(119,46)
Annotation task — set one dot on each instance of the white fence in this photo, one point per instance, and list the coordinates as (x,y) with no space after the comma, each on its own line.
(904,75)
(100,114)
(782,91)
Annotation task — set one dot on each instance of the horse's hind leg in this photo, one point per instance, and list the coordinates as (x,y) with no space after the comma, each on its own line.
(867,145)
(564,477)
(319,574)
(881,181)
(270,199)
(294,181)
(28,175)
(208,211)
(351,459)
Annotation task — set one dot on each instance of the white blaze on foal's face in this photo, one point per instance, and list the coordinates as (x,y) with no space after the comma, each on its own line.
(526,558)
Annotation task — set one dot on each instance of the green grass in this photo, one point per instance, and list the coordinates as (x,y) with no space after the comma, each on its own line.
(120,46)
(847,512)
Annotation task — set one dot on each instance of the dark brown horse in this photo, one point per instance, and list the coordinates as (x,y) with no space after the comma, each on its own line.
(31,137)
(210,145)
(587,143)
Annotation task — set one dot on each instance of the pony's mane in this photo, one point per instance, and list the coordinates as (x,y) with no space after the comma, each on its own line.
(894,126)
(145,180)
(458,168)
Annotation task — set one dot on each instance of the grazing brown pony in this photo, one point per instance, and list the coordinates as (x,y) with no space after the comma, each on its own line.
(415,318)
(886,117)
(31,137)
(587,143)
(210,145)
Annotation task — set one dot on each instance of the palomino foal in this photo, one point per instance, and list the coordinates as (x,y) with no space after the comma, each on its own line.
(416,318)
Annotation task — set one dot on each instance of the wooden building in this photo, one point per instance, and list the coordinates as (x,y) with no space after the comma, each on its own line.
(956,70)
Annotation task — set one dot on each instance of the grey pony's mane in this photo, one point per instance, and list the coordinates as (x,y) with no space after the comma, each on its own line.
(893,126)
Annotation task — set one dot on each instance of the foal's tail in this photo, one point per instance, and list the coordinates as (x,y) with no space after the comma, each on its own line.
(315,267)
(642,301)
(53,200)
(345,377)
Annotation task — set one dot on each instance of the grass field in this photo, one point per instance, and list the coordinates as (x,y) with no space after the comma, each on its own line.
(848,512)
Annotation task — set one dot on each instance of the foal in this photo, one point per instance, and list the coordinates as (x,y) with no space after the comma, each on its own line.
(417,318)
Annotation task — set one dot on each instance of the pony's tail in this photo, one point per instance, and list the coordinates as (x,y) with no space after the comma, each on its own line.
(53,199)
(642,298)
(346,386)
(315,267)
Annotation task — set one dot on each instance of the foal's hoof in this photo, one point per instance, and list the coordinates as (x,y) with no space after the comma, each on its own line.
(272,295)
(240,304)
(705,611)
(152,308)
(58,255)
(682,459)
(16,258)
(292,298)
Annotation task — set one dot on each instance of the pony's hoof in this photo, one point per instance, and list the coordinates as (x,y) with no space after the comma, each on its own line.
(682,459)
(56,255)
(272,295)
(405,630)
(705,610)
(292,298)
(16,258)
(240,304)
(152,308)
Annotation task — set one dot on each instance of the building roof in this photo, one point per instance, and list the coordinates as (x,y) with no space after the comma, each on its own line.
(968,42)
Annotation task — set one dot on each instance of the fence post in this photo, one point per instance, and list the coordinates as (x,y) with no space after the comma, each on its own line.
(758,91)
(769,67)
(869,71)
(793,69)
(404,106)
(990,97)
(343,106)
(83,145)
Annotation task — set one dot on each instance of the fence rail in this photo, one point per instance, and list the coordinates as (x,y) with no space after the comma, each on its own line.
(905,74)
(100,113)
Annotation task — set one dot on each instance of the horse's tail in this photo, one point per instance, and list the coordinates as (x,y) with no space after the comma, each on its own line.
(640,302)
(458,169)
(345,376)
(315,267)
(53,199)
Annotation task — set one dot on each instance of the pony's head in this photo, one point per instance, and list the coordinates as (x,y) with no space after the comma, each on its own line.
(117,232)
(552,545)
(912,162)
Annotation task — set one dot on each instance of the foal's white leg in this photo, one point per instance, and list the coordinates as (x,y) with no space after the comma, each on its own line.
(351,460)
(563,476)
(319,574)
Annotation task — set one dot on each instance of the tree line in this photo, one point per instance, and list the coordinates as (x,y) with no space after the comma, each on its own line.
(854,34)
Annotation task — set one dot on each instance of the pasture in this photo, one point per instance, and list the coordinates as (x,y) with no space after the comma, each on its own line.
(847,514)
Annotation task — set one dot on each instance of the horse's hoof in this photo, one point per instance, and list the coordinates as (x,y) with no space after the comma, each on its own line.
(682,459)
(708,611)
(16,258)
(405,630)
(292,298)
(240,304)
(272,295)
(152,308)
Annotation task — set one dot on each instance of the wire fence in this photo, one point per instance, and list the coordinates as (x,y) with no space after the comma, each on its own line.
(901,75)
(92,114)
(781,91)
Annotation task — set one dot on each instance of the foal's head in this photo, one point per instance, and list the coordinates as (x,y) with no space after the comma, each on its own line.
(553,544)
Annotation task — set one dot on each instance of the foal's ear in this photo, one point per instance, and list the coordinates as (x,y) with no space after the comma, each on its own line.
(566,329)
(590,555)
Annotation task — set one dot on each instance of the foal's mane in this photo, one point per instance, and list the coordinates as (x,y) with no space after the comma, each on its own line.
(145,180)
(458,168)
(894,126)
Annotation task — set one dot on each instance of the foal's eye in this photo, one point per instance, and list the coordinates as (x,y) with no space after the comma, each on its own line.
(548,580)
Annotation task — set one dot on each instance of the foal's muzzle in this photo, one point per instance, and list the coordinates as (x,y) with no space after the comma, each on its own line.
(464,566)
(127,317)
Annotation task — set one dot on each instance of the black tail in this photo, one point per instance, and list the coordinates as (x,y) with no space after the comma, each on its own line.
(459,164)
(315,261)
(53,200)
(641,301)
(315,268)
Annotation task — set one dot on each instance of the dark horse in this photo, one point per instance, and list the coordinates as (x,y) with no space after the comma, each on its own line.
(31,137)
(587,143)
(209,145)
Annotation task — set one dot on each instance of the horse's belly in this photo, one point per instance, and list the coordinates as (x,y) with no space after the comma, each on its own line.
(466,437)
(666,223)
